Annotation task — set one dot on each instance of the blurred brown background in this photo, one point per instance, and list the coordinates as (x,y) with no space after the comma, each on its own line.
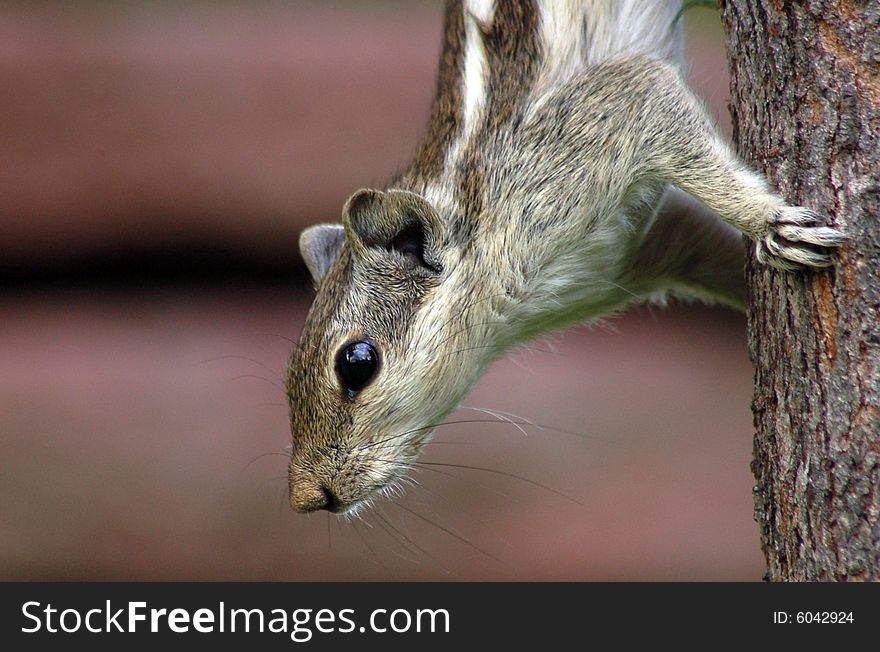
(157,162)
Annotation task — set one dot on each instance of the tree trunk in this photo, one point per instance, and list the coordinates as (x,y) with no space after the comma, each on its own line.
(805,100)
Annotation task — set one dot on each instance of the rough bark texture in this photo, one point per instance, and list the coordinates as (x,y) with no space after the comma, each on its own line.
(805,87)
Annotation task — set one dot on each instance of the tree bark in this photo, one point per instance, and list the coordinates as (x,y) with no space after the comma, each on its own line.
(805,101)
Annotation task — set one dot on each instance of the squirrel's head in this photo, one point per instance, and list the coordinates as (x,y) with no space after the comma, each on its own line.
(377,365)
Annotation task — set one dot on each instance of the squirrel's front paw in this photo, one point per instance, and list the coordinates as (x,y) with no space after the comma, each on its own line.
(797,239)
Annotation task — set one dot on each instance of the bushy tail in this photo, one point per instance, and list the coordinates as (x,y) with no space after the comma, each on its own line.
(620,27)
(502,58)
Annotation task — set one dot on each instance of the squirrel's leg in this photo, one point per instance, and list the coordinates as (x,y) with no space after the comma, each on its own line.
(689,249)
(681,146)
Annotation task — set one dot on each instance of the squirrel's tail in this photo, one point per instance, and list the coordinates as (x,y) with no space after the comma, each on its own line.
(620,27)
(502,58)
(576,34)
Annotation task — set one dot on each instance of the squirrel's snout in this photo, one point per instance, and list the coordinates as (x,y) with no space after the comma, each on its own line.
(306,496)
(337,483)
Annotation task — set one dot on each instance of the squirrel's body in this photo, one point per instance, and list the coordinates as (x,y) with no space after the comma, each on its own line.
(547,190)
(514,155)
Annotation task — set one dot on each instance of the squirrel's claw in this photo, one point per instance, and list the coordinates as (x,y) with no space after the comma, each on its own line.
(797,240)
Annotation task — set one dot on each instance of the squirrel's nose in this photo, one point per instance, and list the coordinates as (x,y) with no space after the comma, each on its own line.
(310,497)
(331,502)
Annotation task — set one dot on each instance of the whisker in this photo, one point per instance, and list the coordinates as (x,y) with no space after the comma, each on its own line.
(469,514)
(412,482)
(329,537)
(501,417)
(449,443)
(412,467)
(409,540)
(283,337)
(393,538)
(448,531)
(379,442)
(504,474)
(525,423)
(259,457)
(496,412)
(376,558)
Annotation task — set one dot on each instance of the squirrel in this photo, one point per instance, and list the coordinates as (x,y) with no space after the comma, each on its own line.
(566,171)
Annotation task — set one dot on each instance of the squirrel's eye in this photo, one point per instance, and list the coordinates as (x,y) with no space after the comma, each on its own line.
(356,365)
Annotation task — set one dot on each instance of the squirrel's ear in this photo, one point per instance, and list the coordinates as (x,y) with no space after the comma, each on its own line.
(396,221)
(318,245)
